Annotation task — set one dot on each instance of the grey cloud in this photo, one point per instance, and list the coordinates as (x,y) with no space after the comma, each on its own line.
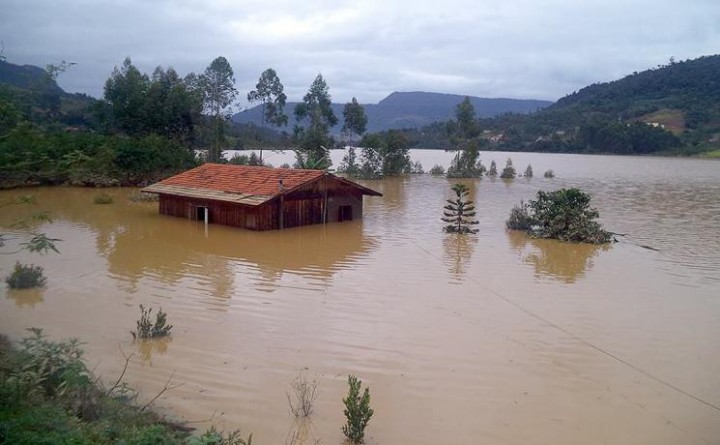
(513,48)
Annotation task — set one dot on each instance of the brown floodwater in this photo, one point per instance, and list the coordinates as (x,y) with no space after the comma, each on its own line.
(493,338)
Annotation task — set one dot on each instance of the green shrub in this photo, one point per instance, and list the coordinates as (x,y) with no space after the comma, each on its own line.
(564,214)
(357,411)
(509,171)
(529,171)
(58,365)
(254,160)
(549,174)
(520,218)
(146,329)
(103,198)
(416,168)
(492,171)
(214,437)
(26,276)
(49,396)
(437,170)
(239,160)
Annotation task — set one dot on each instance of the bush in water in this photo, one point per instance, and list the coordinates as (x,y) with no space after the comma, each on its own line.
(564,214)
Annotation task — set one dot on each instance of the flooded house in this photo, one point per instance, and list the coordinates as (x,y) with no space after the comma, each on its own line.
(260,198)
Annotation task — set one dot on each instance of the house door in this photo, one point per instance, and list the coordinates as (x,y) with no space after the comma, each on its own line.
(345,214)
(200,213)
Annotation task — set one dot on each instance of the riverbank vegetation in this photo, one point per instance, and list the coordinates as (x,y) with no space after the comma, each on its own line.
(48,395)
(563,214)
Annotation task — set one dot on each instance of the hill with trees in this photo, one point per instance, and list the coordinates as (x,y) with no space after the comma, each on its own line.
(671,109)
(32,93)
(415,109)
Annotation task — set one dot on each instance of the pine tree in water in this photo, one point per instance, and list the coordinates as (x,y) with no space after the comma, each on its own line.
(458,210)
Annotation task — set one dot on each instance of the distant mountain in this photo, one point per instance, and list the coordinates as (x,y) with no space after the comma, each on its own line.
(413,110)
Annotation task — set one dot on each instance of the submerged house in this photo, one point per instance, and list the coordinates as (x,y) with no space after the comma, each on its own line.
(260,198)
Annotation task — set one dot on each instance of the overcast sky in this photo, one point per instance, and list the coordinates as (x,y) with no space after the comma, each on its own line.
(540,49)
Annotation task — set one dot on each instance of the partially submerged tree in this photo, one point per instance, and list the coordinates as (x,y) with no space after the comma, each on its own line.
(466,163)
(269,92)
(316,112)
(355,120)
(355,125)
(509,171)
(564,214)
(466,119)
(492,172)
(349,163)
(437,170)
(384,154)
(458,211)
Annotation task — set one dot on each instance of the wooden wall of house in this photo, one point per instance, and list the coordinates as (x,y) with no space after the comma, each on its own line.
(249,217)
(306,205)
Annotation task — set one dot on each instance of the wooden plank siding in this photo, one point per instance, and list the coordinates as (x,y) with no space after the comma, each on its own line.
(249,217)
(313,203)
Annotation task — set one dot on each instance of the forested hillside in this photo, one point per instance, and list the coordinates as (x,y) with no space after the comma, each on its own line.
(671,109)
(31,93)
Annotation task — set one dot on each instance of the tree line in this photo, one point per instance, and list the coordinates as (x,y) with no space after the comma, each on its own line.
(148,126)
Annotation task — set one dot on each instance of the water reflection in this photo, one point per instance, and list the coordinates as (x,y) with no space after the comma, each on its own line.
(566,262)
(458,250)
(142,246)
(26,297)
(302,432)
(172,249)
(147,347)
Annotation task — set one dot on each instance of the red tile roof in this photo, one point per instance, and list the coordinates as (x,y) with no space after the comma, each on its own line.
(243,179)
(242,184)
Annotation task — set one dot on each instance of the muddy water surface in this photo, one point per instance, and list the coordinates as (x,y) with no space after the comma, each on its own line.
(494,338)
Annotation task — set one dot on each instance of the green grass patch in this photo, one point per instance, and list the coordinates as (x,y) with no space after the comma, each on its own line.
(670,119)
(713,154)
